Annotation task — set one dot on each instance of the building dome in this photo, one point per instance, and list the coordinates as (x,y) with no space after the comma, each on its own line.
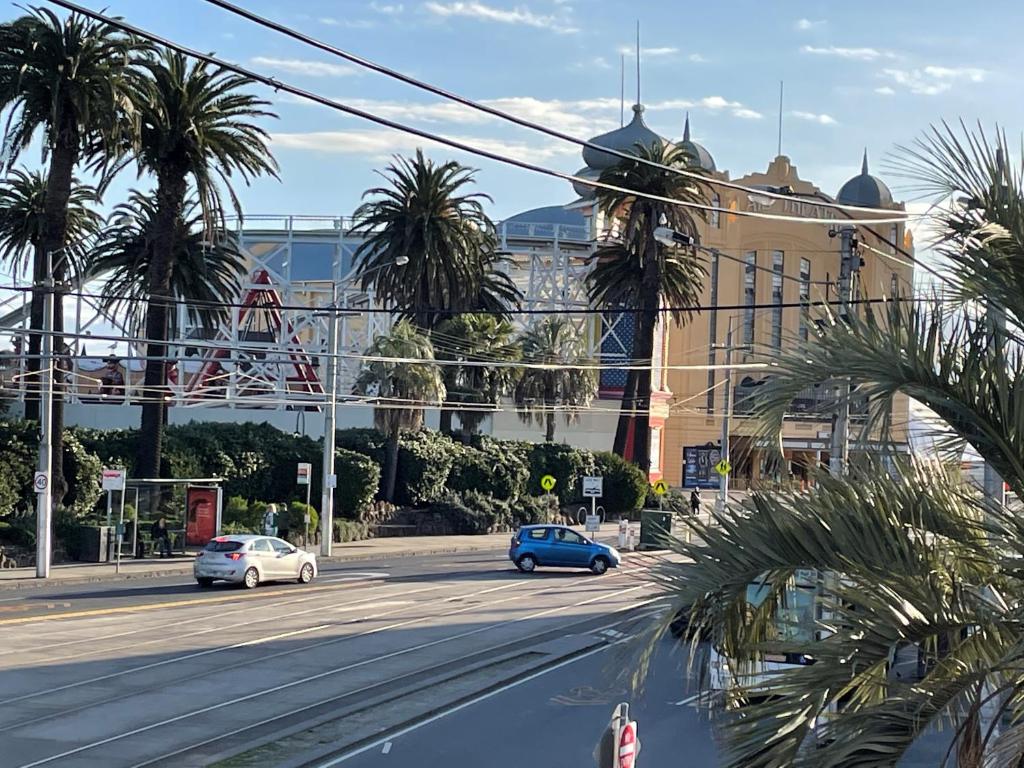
(584,190)
(699,156)
(865,190)
(622,139)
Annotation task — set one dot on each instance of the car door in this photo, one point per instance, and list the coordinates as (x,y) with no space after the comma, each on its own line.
(286,559)
(570,549)
(538,543)
(264,554)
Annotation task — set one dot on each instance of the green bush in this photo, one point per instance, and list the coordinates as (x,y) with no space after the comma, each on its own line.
(19,447)
(358,482)
(471,513)
(238,513)
(424,463)
(368,442)
(294,519)
(567,465)
(17,535)
(488,468)
(535,510)
(350,530)
(234,528)
(625,487)
(82,474)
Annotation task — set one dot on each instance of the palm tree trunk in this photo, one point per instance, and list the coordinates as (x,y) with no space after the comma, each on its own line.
(171,188)
(35,322)
(445,426)
(626,407)
(549,412)
(63,157)
(647,324)
(391,466)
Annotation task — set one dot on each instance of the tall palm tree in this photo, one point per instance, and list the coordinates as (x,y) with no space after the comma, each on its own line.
(908,554)
(442,236)
(476,339)
(633,271)
(400,389)
(562,385)
(205,274)
(196,128)
(71,81)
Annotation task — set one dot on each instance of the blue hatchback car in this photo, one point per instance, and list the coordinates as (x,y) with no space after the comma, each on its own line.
(560,546)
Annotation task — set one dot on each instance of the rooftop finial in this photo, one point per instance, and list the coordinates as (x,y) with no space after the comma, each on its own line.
(864,165)
(686,128)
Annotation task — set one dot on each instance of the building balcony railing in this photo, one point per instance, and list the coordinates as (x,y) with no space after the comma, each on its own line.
(810,404)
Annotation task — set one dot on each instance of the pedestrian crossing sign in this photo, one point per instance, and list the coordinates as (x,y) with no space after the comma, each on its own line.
(723,467)
(547,483)
(660,487)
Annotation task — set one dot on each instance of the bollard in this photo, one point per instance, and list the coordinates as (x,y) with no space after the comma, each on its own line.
(623,533)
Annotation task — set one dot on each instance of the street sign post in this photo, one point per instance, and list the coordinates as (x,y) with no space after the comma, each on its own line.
(619,745)
(548,483)
(114,480)
(41,482)
(723,467)
(305,472)
(593,523)
(628,745)
(593,489)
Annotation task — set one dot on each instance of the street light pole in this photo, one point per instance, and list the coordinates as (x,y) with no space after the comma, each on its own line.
(840,447)
(330,416)
(44,499)
(723,483)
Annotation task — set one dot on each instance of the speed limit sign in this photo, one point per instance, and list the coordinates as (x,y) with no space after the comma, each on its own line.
(40,482)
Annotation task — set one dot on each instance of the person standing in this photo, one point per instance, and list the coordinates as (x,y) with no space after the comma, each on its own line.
(270,520)
(161,537)
(695,502)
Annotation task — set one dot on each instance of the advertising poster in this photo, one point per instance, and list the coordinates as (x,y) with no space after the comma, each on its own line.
(200,515)
(699,466)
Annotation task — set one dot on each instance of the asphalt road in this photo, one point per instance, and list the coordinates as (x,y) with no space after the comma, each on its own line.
(162,673)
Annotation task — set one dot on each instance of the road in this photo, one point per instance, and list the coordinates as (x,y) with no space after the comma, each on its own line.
(162,673)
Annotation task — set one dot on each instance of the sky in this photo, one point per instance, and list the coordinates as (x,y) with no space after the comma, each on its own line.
(867,74)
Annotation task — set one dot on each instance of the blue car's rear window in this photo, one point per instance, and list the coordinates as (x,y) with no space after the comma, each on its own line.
(538,533)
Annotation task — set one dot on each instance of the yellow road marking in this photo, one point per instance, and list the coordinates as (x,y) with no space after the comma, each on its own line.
(175,604)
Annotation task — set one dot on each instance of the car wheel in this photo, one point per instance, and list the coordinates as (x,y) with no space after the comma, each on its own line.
(526,563)
(599,565)
(306,573)
(251,578)
(204,582)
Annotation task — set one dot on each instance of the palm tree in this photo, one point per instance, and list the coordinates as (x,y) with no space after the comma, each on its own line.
(400,389)
(70,80)
(908,554)
(477,339)
(633,271)
(196,127)
(206,274)
(561,384)
(443,238)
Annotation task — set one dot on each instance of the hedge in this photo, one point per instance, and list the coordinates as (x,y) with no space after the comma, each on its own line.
(358,483)
(625,486)
(488,467)
(566,464)
(424,463)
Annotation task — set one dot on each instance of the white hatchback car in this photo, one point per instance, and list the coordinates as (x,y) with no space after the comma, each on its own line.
(249,559)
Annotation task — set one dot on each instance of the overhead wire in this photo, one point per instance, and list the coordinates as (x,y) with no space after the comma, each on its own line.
(454,144)
(506,116)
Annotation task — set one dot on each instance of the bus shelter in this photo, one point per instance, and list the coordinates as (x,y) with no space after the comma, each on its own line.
(192,508)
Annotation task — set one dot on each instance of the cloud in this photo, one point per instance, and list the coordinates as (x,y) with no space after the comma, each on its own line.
(651,52)
(518,15)
(861,54)
(387,9)
(597,62)
(885,90)
(932,80)
(821,119)
(377,145)
(696,58)
(304,67)
(711,103)
(806,24)
(747,114)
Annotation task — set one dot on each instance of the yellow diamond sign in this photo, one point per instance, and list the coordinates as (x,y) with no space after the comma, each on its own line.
(547,482)
(660,487)
(723,467)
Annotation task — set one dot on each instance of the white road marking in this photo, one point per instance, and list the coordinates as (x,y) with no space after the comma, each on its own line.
(687,700)
(387,748)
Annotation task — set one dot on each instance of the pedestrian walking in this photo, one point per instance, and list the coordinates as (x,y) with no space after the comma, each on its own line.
(695,502)
(270,520)
(161,537)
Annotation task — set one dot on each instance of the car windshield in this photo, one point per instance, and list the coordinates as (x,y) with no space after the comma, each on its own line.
(224,546)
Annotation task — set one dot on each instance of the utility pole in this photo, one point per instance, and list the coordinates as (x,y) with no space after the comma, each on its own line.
(44,497)
(849,263)
(328,478)
(723,482)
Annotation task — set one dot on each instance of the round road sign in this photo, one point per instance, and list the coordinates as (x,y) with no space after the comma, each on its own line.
(627,745)
(547,482)
(40,482)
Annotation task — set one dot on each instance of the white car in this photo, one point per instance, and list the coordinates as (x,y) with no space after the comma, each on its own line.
(249,559)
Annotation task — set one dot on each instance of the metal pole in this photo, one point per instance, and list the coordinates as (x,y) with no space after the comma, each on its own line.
(120,534)
(44,502)
(305,515)
(327,504)
(838,462)
(723,483)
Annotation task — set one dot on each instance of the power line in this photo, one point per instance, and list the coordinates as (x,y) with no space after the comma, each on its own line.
(501,114)
(462,146)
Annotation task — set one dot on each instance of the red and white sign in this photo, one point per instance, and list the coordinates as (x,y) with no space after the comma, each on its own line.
(627,745)
(305,472)
(113,479)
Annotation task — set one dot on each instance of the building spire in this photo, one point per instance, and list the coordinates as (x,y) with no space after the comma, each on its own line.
(686,128)
(864,165)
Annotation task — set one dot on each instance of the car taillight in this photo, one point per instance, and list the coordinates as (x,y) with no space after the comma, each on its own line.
(233,555)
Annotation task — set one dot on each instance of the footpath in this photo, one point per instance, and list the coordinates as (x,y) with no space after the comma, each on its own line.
(181,565)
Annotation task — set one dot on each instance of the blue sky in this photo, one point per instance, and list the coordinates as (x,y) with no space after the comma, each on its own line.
(857,74)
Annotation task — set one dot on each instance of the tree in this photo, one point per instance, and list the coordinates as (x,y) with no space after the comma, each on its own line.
(400,389)
(71,80)
(449,241)
(561,385)
(205,274)
(476,339)
(910,556)
(633,271)
(196,127)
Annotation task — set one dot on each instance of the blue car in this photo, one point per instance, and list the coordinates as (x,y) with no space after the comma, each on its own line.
(560,546)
